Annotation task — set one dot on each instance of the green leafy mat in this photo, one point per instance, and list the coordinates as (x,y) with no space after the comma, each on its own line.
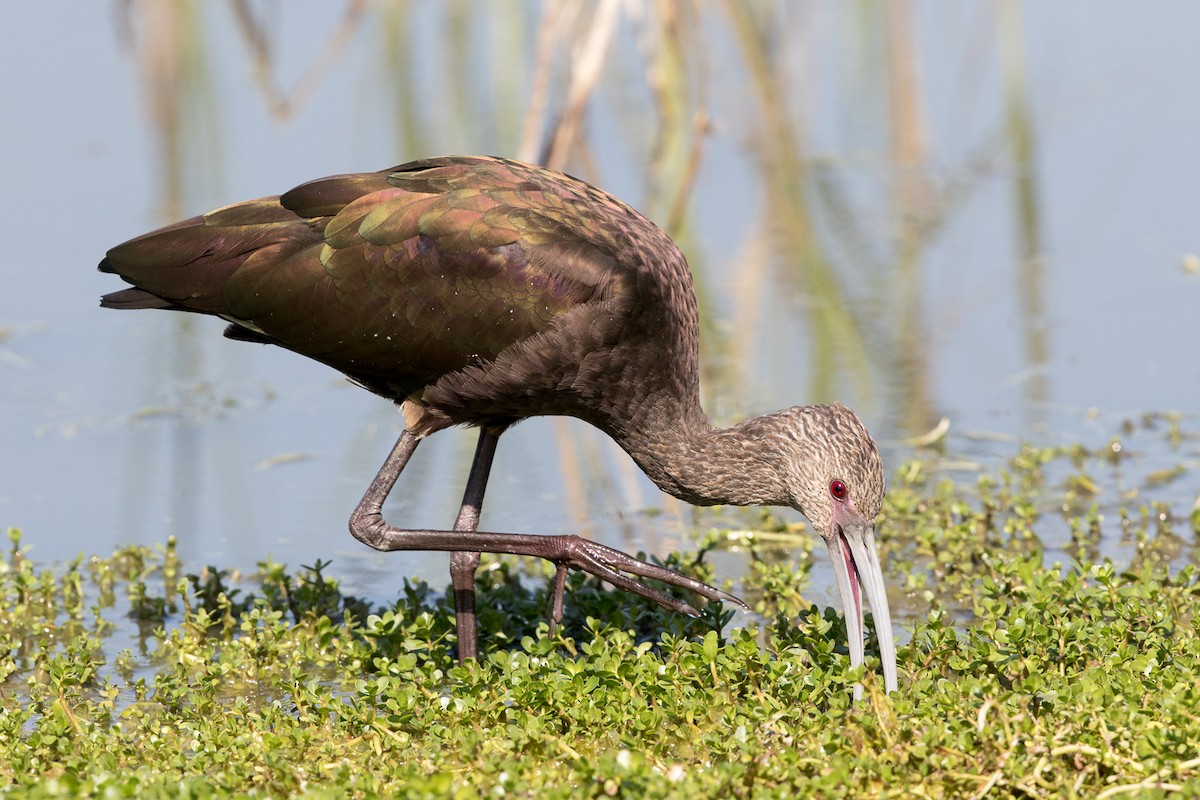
(124,676)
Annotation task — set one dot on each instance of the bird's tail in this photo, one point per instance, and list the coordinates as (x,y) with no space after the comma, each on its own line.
(186,266)
(131,298)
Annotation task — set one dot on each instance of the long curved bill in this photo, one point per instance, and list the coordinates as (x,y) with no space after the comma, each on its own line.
(856,565)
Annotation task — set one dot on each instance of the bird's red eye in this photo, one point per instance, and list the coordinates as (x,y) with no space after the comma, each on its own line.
(838,490)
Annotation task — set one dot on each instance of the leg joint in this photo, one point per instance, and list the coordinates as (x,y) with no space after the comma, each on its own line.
(370,528)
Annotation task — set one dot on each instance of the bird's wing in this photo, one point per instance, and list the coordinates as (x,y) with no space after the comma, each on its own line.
(396,278)
(398,281)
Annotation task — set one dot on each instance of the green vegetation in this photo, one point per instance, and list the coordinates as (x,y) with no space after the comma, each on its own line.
(1021,679)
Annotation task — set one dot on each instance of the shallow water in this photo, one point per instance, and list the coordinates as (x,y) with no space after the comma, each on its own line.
(1005,238)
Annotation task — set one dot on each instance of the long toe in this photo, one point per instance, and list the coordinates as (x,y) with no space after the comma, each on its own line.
(608,564)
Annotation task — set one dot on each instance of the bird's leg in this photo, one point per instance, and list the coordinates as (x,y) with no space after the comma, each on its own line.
(366,523)
(462,563)
(556,599)
(573,552)
(368,526)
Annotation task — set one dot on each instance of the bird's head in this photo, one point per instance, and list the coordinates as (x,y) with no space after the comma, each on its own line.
(838,484)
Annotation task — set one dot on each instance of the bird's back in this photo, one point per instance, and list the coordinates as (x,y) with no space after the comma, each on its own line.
(482,288)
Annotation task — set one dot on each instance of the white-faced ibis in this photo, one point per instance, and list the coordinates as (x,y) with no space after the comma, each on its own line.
(481,291)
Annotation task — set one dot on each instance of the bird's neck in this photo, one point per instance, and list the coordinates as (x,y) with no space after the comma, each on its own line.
(691,460)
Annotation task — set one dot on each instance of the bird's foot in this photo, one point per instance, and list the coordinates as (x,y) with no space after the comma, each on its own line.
(608,564)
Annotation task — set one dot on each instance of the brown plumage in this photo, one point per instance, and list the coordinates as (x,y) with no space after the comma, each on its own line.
(483,291)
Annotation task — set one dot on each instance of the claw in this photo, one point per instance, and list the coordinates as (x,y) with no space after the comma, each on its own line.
(608,564)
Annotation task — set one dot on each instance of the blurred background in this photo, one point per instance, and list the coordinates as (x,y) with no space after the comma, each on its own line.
(976,223)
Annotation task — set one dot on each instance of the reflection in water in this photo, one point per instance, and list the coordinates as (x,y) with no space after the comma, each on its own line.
(186,442)
(169,45)
(1030,263)
(912,203)
(814,290)
(257,35)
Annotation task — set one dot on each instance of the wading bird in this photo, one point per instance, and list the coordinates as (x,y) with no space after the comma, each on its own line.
(482,291)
